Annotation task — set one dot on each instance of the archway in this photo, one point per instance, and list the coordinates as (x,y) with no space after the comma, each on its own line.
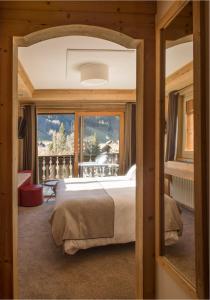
(82,30)
(123,40)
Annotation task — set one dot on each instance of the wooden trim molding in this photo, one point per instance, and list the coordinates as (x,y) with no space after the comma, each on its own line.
(71,107)
(180,169)
(78,29)
(122,142)
(80,95)
(178,278)
(185,39)
(180,79)
(201,154)
(76,144)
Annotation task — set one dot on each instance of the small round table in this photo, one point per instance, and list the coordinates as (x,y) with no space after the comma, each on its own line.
(51,183)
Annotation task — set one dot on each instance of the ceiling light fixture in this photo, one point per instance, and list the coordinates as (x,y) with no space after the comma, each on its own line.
(94,74)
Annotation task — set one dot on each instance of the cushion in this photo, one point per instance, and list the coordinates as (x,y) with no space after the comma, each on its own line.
(131,174)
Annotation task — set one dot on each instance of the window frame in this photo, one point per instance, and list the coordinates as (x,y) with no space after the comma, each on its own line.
(182,154)
(77,115)
(121,135)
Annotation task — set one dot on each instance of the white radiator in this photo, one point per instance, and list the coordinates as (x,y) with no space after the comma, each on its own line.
(182,190)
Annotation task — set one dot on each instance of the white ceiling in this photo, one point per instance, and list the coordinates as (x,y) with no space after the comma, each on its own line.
(178,56)
(52,65)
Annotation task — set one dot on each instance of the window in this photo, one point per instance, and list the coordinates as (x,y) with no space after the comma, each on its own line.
(55,145)
(100,134)
(185,138)
(55,134)
(99,145)
(86,144)
(188,132)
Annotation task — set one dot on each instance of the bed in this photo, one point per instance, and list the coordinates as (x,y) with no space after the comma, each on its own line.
(92,212)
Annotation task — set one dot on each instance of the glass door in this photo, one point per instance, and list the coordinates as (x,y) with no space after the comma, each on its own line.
(100,144)
(55,145)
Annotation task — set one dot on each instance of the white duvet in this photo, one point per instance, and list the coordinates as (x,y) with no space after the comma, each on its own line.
(122,190)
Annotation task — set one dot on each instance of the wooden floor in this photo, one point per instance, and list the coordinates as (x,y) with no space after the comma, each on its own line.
(45,272)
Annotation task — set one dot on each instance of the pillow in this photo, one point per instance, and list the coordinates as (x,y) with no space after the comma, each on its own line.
(131,174)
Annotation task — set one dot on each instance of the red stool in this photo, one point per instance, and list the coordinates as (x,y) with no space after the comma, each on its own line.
(31,195)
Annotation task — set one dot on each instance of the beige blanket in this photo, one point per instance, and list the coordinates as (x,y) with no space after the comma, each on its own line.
(83,214)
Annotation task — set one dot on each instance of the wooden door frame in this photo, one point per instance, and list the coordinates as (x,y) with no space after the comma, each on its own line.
(98,113)
(200,152)
(145,104)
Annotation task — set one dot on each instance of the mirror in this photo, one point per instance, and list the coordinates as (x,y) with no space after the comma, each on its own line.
(178,237)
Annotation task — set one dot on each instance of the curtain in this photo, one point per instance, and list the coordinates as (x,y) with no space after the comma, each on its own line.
(20,141)
(130,135)
(29,141)
(21,127)
(172,126)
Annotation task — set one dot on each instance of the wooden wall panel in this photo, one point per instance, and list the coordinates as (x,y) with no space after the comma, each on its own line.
(19,18)
(130,7)
(145,160)
(6,170)
(132,18)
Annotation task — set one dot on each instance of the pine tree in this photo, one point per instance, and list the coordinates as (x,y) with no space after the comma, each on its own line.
(50,148)
(61,140)
(92,146)
(54,141)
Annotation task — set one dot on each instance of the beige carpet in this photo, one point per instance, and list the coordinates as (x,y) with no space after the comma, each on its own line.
(45,272)
(182,254)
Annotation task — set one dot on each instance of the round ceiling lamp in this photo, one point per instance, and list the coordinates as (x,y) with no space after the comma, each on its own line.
(93,74)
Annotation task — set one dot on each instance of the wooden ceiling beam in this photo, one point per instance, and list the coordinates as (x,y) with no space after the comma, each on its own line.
(115,95)
(180,79)
(185,39)
(25,86)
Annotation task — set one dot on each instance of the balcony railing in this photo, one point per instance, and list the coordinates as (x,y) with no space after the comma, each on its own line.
(60,167)
(55,167)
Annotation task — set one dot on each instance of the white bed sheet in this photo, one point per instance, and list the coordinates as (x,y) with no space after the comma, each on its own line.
(122,192)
